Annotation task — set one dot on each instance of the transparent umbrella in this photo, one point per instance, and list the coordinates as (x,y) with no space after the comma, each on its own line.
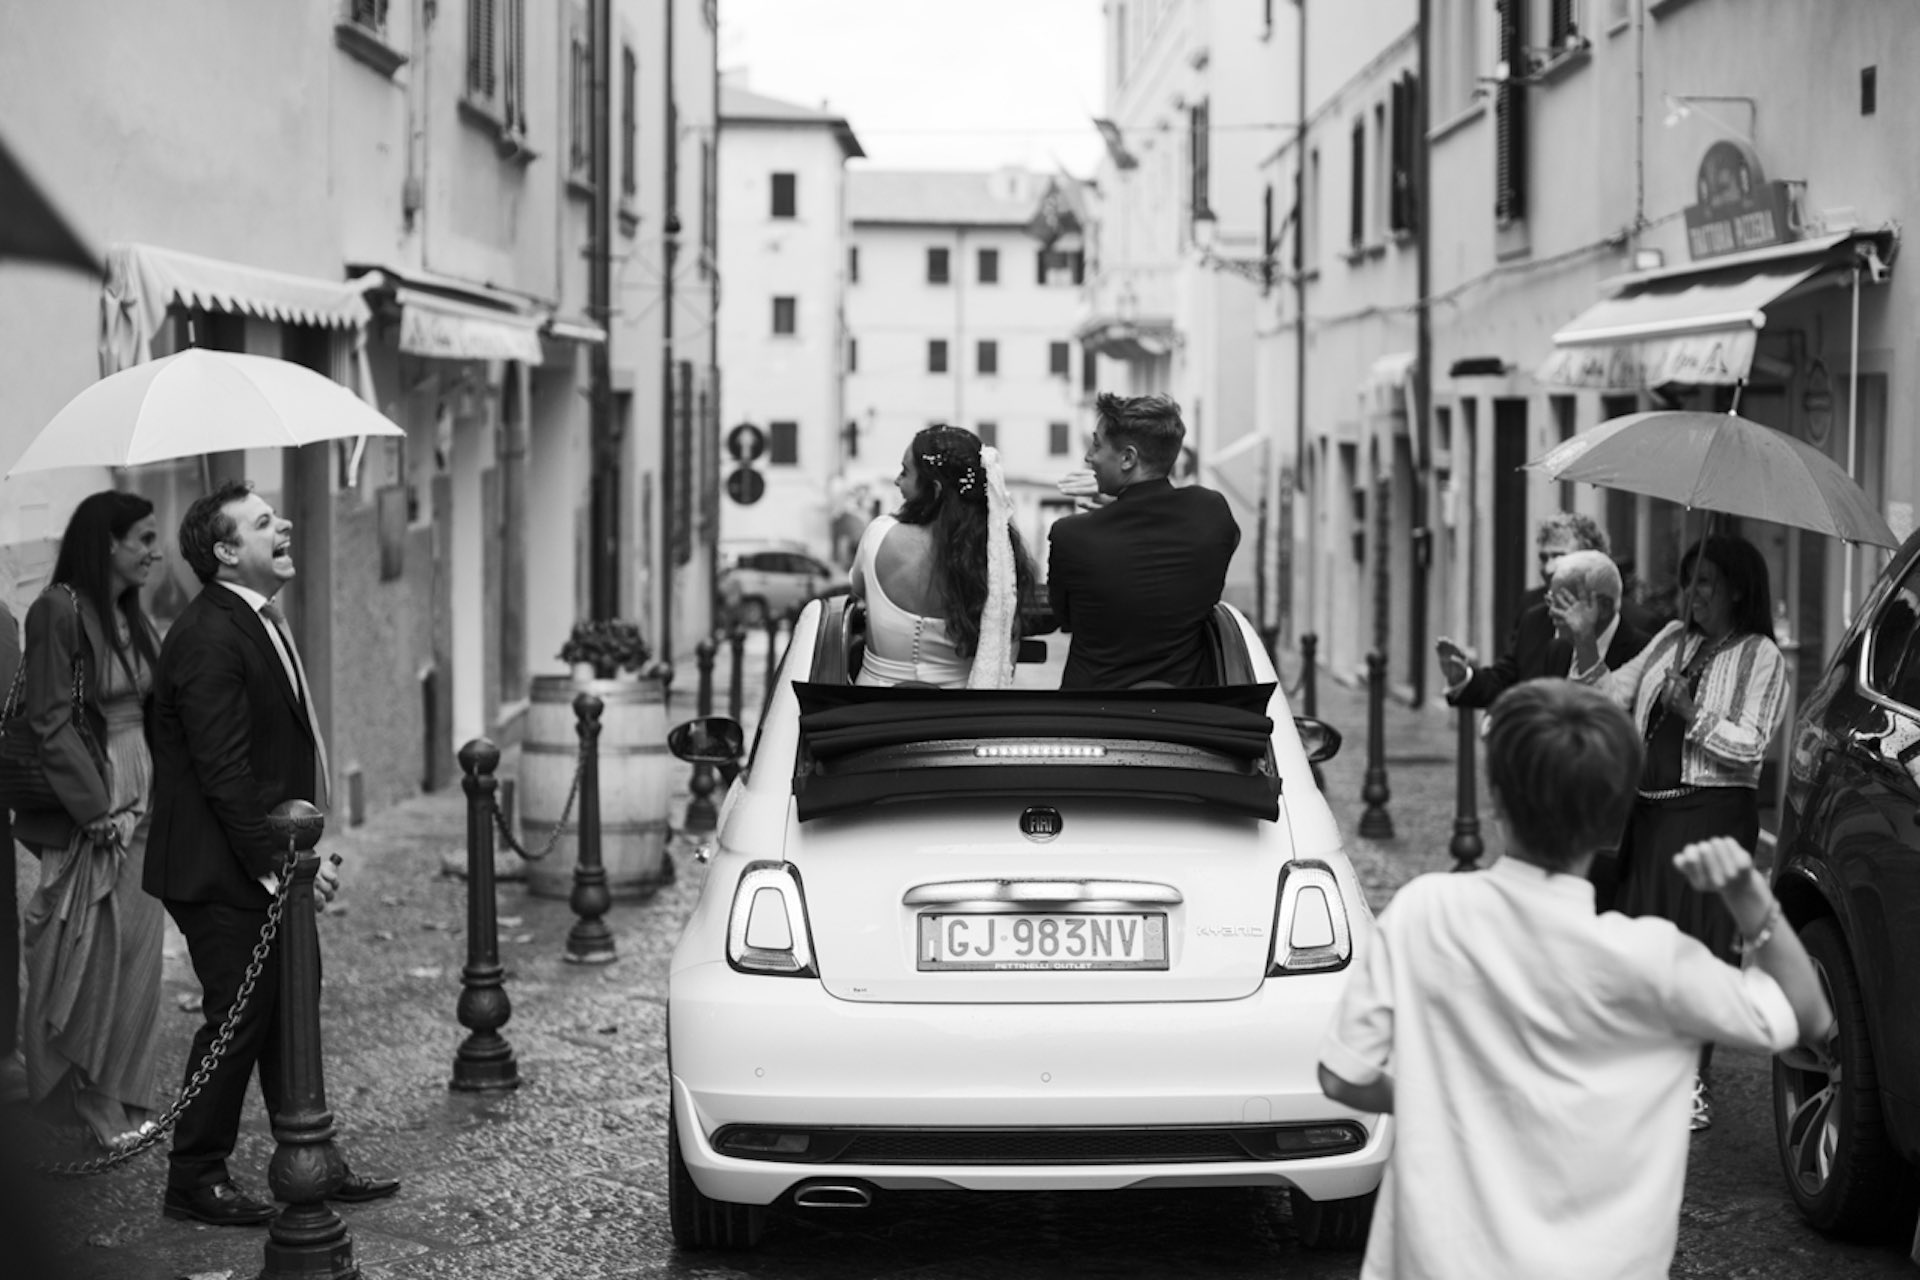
(197,402)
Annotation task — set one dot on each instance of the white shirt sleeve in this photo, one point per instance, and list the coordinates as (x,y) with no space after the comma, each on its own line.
(1710,1000)
(1359,1042)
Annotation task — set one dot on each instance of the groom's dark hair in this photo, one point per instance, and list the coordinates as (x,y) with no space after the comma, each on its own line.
(1151,424)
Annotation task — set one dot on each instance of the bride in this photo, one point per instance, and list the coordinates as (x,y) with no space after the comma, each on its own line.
(942,578)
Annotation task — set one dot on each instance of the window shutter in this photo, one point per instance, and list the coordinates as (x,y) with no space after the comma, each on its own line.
(1197,160)
(1079,266)
(480,51)
(1510,118)
(1406,153)
(1357,217)
(1562,26)
(629,120)
(1040,267)
(516,50)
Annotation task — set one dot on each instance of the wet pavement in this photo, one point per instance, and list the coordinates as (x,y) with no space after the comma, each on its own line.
(565,1177)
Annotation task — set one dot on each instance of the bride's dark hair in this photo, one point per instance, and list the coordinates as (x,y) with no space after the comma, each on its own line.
(952,503)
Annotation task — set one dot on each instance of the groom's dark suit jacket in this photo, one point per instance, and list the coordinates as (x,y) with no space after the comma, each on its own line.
(230,741)
(1134,582)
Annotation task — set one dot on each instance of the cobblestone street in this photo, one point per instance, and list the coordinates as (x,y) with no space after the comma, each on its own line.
(565,1177)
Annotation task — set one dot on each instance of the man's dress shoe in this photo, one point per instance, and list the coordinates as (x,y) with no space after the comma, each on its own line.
(221,1205)
(357,1188)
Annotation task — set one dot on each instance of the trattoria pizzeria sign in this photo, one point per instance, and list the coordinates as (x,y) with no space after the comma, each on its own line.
(1738,210)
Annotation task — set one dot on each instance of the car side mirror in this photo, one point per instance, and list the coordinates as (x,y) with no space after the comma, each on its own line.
(714,740)
(1320,739)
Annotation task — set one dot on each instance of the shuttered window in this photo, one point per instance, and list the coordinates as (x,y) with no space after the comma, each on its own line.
(482,68)
(497,60)
(1404,207)
(986,356)
(1357,214)
(1058,358)
(1563,23)
(937,266)
(1199,159)
(785,199)
(1510,118)
(629,121)
(579,97)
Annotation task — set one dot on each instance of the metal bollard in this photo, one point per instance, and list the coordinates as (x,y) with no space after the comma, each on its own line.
(484,1060)
(773,654)
(1309,674)
(701,814)
(308,1238)
(1375,824)
(589,941)
(1466,845)
(737,644)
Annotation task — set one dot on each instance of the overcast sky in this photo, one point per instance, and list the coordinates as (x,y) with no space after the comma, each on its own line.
(931,83)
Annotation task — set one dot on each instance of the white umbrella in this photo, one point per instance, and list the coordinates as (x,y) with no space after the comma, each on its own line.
(196,402)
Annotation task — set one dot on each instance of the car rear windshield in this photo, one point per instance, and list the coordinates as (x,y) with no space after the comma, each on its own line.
(863,746)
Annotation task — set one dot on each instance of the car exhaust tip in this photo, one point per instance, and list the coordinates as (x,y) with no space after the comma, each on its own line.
(832,1195)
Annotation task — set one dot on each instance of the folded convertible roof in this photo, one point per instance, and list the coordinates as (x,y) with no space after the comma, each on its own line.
(862,747)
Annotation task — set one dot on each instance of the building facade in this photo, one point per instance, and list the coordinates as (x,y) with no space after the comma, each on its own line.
(1180,242)
(394,195)
(963,296)
(783,240)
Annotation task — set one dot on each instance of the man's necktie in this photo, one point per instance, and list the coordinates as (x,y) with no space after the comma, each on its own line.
(297,674)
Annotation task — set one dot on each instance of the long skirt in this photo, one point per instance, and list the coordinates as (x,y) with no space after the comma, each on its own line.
(1659,829)
(93,939)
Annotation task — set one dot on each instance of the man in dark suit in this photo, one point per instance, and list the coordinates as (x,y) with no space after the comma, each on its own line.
(1525,656)
(1543,649)
(1133,581)
(233,736)
(13,1074)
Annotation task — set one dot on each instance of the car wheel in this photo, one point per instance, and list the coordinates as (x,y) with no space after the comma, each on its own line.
(753,611)
(1333,1224)
(699,1221)
(1842,1172)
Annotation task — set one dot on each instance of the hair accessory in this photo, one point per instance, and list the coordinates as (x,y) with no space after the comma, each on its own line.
(993,658)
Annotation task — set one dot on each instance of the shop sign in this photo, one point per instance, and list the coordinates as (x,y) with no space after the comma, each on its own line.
(1738,210)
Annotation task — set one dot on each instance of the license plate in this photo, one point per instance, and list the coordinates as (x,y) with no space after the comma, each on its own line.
(1043,940)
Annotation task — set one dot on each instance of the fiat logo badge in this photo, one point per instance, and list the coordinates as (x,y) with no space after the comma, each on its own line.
(1040,823)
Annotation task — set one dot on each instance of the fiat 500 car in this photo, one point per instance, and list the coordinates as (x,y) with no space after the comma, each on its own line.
(1847,870)
(1008,940)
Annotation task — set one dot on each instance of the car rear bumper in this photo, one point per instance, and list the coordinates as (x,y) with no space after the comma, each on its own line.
(775,1052)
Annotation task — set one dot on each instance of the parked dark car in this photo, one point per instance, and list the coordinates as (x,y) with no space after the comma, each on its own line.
(1848,872)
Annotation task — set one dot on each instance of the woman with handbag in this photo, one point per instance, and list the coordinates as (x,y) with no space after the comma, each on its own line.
(1708,693)
(92,934)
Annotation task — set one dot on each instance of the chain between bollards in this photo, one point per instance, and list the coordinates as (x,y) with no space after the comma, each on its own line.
(307,1238)
(701,814)
(484,1060)
(589,941)
(1466,845)
(1375,824)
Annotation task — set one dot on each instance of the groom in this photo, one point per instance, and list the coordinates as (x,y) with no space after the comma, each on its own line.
(233,736)
(1135,580)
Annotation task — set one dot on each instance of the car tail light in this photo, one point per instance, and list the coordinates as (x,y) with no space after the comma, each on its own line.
(1310,932)
(767,930)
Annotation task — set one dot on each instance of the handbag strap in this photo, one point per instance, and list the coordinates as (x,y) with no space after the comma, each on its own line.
(80,725)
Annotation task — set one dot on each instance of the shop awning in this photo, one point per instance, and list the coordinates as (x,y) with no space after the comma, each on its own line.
(1691,324)
(444,329)
(143,281)
(1239,469)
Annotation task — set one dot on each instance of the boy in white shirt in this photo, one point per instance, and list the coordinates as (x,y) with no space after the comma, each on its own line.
(1538,1058)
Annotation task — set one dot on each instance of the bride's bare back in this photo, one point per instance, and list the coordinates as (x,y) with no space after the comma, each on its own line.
(904,566)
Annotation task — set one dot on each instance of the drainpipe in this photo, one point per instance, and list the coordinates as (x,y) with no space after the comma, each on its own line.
(669,249)
(604,502)
(1422,373)
(1300,315)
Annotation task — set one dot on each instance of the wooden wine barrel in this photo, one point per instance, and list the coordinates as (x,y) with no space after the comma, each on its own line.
(633,784)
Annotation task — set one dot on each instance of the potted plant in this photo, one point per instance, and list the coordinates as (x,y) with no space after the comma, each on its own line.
(604,648)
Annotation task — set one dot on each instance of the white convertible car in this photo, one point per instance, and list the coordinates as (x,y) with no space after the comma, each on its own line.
(1013,940)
